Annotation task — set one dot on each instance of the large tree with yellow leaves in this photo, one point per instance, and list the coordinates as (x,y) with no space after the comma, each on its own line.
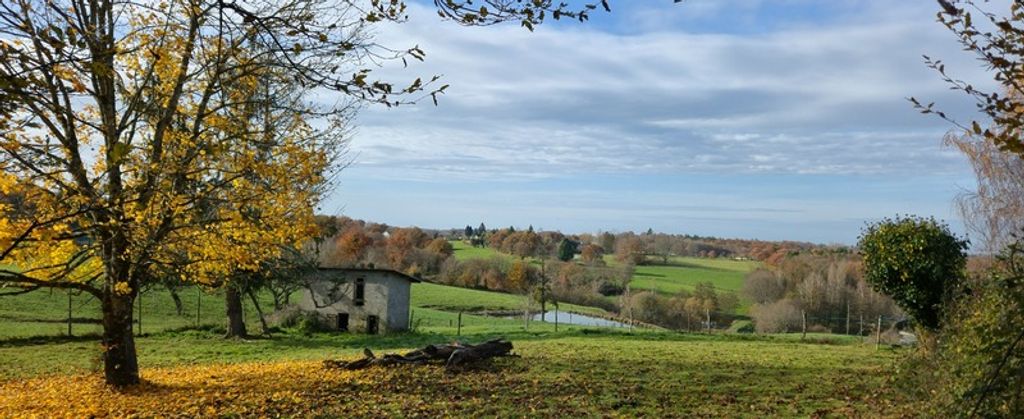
(148,137)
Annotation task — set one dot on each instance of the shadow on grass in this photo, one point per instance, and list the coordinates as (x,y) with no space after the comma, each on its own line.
(48,340)
(420,339)
(74,320)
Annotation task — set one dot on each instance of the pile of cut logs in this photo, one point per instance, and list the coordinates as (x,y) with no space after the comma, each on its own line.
(451,355)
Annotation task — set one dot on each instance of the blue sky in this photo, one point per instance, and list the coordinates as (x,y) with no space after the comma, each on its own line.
(782,119)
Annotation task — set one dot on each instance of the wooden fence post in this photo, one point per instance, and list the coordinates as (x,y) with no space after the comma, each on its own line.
(631,318)
(803,326)
(69,313)
(199,304)
(458,332)
(526,315)
(556,316)
(847,317)
(860,327)
(878,334)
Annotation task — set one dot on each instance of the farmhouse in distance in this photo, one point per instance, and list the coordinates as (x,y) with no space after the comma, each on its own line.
(365,300)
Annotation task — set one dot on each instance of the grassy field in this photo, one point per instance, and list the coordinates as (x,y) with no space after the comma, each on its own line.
(569,373)
(683,273)
(574,371)
(44,313)
(21,357)
(448,298)
(464,251)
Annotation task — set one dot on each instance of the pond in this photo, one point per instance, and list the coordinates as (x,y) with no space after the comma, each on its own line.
(575,319)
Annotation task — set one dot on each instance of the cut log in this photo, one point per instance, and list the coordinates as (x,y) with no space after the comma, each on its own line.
(486,350)
(452,355)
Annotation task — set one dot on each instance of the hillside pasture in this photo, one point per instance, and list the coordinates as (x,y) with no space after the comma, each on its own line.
(684,273)
(464,251)
(454,299)
(576,374)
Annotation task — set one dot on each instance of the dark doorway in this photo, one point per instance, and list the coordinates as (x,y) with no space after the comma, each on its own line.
(371,325)
(342,322)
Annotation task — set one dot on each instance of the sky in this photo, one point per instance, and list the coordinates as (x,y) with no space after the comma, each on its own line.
(773,120)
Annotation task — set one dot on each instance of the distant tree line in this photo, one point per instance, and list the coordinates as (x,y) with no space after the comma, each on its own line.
(629,247)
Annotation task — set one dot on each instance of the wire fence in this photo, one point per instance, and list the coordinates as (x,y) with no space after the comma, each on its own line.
(58,313)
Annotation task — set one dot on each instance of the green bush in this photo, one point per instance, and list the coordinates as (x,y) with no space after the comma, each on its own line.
(304,322)
(741,326)
(980,361)
(312,323)
(977,367)
(916,261)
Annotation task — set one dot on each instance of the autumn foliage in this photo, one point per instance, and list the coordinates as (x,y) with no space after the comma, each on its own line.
(176,138)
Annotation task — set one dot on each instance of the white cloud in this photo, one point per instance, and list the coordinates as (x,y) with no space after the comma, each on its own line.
(795,126)
(572,99)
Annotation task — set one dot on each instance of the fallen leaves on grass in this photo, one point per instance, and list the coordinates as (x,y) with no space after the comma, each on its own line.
(290,388)
(577,377)
(244,389)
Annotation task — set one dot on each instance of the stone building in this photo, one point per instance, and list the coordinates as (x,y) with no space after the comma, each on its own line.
(360,299)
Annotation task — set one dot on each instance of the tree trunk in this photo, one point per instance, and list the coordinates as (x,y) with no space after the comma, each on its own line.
(236,320)
(707,324)
(259,311)
(278,298)
(120,364)
(543,305)
(178,306)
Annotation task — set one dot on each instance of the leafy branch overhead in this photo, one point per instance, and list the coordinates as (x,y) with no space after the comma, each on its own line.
(995,39)
(528,13)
